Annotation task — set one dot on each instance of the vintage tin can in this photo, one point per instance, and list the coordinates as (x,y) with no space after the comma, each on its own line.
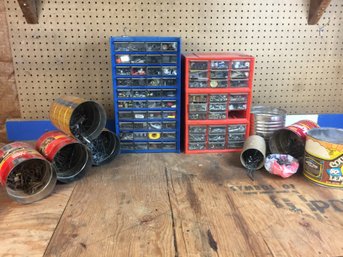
(78,117)
(291,140)
(265,120)
(26,175)
(68,156)
(103,148)
(323,163)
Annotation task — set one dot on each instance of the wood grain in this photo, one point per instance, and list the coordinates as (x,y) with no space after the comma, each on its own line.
(317,9)
(9,104)
(185,206)
(29,9)
(120,209)
(208,201)
(25,230)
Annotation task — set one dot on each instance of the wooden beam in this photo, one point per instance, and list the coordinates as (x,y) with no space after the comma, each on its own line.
(317,8)
(29,10)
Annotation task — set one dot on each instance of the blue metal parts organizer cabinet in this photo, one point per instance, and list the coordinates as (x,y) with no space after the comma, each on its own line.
(146,74)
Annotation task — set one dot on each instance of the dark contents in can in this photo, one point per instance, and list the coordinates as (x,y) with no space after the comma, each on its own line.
(70,160)
(287,143)
(104,147)
(29,176)
(86,118)
(252,158)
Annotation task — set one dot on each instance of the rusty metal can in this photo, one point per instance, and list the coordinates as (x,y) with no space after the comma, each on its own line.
(26,175)
(103,148)
(291,140)
(323,163)
(78,117)
(69,157)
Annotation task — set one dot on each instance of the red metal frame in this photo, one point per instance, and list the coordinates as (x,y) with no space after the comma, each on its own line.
(229,121)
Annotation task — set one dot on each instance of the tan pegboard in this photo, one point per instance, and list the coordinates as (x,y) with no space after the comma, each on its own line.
(297,67)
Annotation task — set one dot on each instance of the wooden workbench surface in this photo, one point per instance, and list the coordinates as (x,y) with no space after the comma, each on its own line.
(176,205)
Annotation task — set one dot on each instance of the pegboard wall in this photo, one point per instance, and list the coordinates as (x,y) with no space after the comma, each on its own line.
(298,68)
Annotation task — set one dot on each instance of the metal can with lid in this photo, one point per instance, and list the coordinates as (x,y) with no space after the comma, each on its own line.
(323,162)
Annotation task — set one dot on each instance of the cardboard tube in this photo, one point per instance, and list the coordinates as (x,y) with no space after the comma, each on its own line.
(254,146)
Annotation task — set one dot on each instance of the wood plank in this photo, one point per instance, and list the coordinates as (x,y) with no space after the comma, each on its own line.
(9,104)
(29,9)
(317,9)
(191,205)
(25,230)
(120,209)
(220,212)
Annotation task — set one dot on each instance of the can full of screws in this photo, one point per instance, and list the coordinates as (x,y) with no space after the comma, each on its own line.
(26,175)
(291,140)
(68,156)
(78,117)
(254,152)
(103,148)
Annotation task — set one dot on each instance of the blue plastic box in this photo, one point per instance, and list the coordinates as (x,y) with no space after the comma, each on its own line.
(146,74)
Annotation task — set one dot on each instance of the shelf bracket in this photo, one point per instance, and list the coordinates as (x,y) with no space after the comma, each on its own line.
(317,8)
(29,9)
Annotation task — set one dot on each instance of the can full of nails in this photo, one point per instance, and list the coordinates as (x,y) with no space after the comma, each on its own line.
(68,157)
(78,117)
(26,175)
(291,140)
(103,148)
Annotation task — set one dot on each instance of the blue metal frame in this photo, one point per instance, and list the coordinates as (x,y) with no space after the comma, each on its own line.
(113,41)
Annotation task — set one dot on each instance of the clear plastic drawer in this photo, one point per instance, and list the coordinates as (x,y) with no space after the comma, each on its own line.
(237,128)
(243,65)
(125,115)
(197,129)
(169,46)
(219,83)
(197,146)
(219,65)
(217,115)
(217,130)
(198,83)
(198,65)
(153,46)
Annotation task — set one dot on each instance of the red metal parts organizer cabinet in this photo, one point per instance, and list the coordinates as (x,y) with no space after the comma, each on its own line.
(218,94)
